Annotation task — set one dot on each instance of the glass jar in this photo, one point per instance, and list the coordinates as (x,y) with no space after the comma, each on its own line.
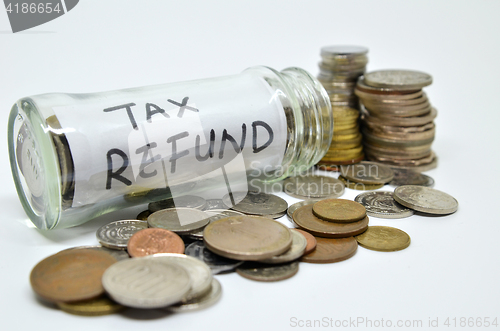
(78,156)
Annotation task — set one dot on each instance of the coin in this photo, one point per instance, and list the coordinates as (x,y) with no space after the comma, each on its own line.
(143,216)
(154,240)
(311,241)
(339,210)
(116,234)
(425,199)
(202,302)
(291,209)
(384,239)
(402,80)
(330,250)
(179,220)
(146,283)
(368,173)
(343,50)
(73,275)
(186,201)
(409,177)
(268,273)
(214,215)
(382,204)
(359,186)
(241,238)
(400,121)
(299,244)
(198,271)
(216,263)
(306,220)
(313,187)
(94,307)
(255,203)
(362,86)
(117,254)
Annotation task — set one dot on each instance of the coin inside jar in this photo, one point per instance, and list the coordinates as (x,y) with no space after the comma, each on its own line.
(241,238)
(339,210)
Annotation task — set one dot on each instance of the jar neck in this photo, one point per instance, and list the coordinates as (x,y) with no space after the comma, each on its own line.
(309,118)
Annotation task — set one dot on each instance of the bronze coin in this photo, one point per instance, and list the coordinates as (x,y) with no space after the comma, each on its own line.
(72,275)
(154,240)
(305,219)
(311,241)
(331,250)
(339,210)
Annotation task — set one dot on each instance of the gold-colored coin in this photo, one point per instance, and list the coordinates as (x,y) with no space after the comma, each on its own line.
(346,131)
(345,113)
(96,307)
(337,126)
(343,160)
(344,153)
(344,137)
(359,186)
(384,239)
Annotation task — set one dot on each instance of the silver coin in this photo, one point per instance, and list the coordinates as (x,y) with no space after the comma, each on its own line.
(313,187)
(198,271)
(117,254)
(297,205)
(425,199)
(367,173)
(255,203)
(409,177)
(146,283)
(215,214)
(268,273)
(215,204)
(205,301)
(186,201)
(116,234)
(298,248)
(401,80)
(179,220)
(216,263)
(382,204)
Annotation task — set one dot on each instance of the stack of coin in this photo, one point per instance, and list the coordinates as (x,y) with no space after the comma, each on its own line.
(340,68)
(398,127)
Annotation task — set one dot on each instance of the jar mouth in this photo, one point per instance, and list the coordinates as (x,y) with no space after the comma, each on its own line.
(313,120)
(33,164)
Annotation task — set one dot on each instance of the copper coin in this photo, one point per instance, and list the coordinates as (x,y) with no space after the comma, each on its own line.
(305,219)
(311,241)
(339,210)
(331,250)
(154,240)
(72,275)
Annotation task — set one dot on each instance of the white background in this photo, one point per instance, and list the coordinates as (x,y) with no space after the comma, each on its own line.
(451,268)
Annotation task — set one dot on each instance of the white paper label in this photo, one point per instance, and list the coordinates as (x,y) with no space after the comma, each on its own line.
(200,132)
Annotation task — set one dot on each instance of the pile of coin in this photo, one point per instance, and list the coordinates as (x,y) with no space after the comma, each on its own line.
(397,117)
(340,68)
